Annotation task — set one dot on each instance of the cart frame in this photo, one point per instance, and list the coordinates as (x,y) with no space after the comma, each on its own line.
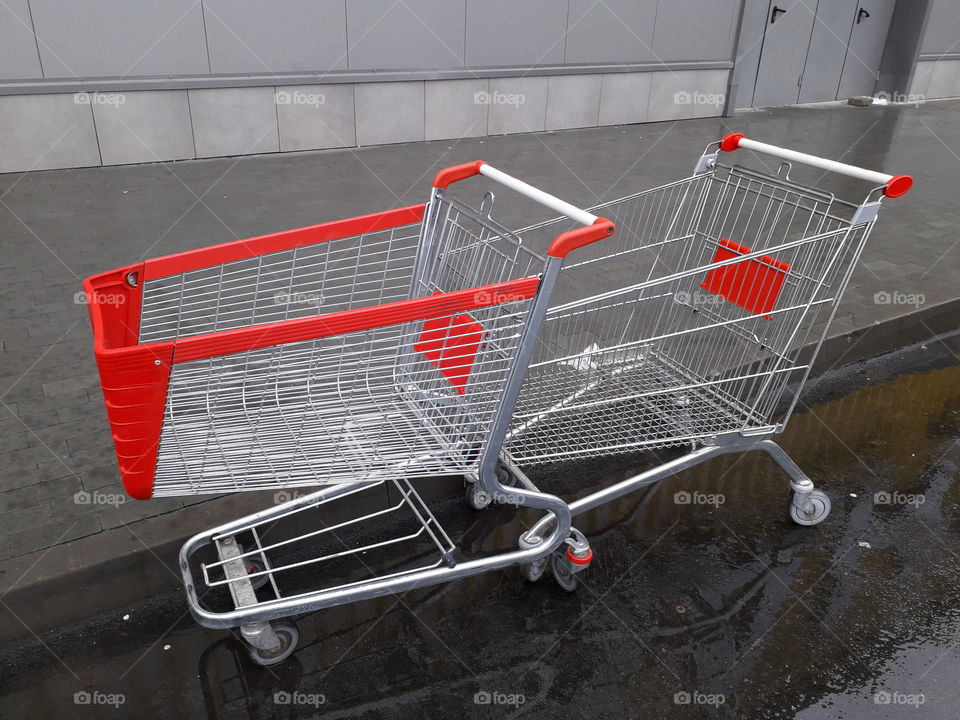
(271,641)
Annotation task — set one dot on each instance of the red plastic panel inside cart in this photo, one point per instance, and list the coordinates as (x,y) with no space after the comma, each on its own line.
(752,284)
(451,344)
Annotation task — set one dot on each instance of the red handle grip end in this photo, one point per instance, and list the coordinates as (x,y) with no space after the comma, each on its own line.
(573,239)
(457,172)
(731,142)
(898,185)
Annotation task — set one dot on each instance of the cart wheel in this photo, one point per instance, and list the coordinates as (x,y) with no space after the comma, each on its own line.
(289,639)
(477,497)
(252,567)
(534,571)
(817,507)
(505,476)
(561,570)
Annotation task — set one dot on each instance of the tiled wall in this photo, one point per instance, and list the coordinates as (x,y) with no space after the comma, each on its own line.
(57,39)
(937,74)
(936,79)
(78,130)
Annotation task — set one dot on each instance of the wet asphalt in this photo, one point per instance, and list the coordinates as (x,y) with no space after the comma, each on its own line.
(722,610)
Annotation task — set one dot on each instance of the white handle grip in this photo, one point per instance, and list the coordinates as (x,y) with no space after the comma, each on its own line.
(894,185)
(538,195)
(594,228)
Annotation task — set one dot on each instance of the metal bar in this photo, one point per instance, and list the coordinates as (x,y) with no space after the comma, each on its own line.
(730,444)
(537,195)
(853,171)
(308,602)
(223,80)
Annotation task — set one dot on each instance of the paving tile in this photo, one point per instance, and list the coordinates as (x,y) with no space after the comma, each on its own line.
(25,518)
(102,476)
(32,495)
(54,470)
(133,510)
(46,536)
(68,508)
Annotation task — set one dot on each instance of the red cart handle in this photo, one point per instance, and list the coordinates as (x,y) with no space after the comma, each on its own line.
(894,185)
(594,228)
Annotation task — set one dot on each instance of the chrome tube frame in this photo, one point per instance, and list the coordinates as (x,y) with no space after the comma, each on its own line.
(725,445)
(554,528)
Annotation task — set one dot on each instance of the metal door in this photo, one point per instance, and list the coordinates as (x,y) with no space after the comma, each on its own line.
(865,50)
(828,48)
(785,42)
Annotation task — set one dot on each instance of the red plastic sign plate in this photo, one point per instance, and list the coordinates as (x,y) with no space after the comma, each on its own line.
(752,284)
(451,344)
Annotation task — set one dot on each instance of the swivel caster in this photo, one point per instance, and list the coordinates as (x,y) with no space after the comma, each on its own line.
(808,506)
(270,643)
(477,497)
(572,557)
(534,571)
(562,571)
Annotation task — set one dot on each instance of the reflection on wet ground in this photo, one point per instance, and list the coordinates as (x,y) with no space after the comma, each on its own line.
(714,611)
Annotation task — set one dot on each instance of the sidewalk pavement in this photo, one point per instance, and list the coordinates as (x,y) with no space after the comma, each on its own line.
(62,507)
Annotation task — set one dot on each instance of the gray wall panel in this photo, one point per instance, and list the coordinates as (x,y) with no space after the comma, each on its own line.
(508,32)
(234,121)
(97,38)
(748,52)
(145,127)
(694,29)
(943,28)
(612,31)
(46,131)
(390,112)
(220,38)
(277,36)
(828,48)
(412,34)
(18,46)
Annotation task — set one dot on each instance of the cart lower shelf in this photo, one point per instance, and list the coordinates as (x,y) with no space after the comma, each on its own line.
(363,533)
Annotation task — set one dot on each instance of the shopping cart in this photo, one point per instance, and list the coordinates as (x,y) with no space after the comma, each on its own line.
(368,354)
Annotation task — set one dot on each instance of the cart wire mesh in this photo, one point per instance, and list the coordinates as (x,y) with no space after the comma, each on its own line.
(363,406)
(717,283)
(411,399)
(342,274)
